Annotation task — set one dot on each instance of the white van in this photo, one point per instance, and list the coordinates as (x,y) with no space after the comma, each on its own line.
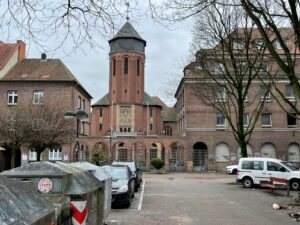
(256,170)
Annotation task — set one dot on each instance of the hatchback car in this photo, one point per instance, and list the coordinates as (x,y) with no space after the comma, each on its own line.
(231,169)
(122,184)
(137,173)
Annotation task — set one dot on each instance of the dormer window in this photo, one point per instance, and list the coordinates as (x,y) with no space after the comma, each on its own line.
(125,65)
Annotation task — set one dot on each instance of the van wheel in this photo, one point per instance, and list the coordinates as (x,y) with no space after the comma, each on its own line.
(295,185)
(247,182)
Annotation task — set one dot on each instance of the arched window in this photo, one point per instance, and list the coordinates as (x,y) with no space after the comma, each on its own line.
(138,67)
(114,67)
(125,65)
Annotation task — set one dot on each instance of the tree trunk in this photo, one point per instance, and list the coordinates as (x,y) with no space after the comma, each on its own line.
(243,146)
(38,156)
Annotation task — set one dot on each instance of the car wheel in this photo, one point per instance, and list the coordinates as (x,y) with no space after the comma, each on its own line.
(128,204)
(234,171)
(295,185)
(247,182)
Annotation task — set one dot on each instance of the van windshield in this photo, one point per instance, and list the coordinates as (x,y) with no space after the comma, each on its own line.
(289,166)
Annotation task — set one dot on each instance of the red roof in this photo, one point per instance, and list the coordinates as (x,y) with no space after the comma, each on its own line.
(8,49)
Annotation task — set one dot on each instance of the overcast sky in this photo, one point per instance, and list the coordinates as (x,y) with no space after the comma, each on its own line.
(165,47)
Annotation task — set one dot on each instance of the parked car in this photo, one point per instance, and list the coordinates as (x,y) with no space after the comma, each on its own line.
(137,173)
(122,183)
(231,169)
(256,170)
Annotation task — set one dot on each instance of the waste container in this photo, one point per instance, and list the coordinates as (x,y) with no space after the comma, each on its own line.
(76,194)
(104,177)
(21,205)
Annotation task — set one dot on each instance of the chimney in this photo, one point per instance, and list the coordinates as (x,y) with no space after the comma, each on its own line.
(21,50)
(44,56)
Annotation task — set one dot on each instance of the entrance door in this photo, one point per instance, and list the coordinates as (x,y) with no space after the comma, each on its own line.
(200,157)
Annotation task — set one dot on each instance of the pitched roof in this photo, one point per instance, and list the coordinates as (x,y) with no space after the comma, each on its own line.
(41,70)
(148,100)
(127,31)
(6,51)
(169,114)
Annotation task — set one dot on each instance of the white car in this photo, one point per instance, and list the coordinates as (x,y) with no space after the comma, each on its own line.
(232,169)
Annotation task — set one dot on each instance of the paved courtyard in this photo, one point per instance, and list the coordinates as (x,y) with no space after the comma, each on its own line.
(202,199)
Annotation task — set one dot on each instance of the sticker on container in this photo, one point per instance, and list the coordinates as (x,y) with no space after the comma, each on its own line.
(45,185)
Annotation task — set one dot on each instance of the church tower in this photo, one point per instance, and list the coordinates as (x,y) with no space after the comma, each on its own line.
(127,110)
(126,70)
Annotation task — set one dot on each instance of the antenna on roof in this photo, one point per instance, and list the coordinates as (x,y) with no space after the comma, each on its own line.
(127,10)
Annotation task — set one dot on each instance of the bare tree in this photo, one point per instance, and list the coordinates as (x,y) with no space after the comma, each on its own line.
(49,127)
(271,19)
(15,127)
(70,22)
(226,69)
(35,126)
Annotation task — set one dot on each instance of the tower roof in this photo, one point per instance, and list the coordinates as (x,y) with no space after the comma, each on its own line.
(127,32)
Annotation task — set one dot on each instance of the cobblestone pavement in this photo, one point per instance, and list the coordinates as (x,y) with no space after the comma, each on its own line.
(202,199)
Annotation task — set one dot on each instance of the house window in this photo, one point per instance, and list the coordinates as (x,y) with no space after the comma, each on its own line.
(277,44)
(114,67)
(83,104)
(263,67)
(219,68)
(151,112)
(291,120)
(138,67)
(38,97)
(289,93)
(259,43)
(125,65)
(245,119)
(55,154)
(237,45)
(220,94)
(266,120)
(79,102)
(151,126)
(100,113)
(100,126)
(168,131)
(265,93)
(12,97)
(32,155)
(220,119)
(241,67)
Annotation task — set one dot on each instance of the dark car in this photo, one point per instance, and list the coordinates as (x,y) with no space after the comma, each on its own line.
(137,173)
(122,184)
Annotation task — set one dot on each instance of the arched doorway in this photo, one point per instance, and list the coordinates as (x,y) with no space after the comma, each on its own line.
(268,150)
(139,155)
(176,158)
(121,152)
(200,157)
(293,153)
(222,152)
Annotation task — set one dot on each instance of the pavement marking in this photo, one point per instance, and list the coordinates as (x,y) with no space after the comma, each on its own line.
(141,196)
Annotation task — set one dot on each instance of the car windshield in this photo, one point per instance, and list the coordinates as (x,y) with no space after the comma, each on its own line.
(118,173)
(130,164)
(289,166)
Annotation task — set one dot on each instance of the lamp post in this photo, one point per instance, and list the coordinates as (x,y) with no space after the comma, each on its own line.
(79,115)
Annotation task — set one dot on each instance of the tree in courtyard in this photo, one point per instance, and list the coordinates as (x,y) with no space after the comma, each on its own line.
(49,127)
(225,70)
(15,130)
(35,126)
